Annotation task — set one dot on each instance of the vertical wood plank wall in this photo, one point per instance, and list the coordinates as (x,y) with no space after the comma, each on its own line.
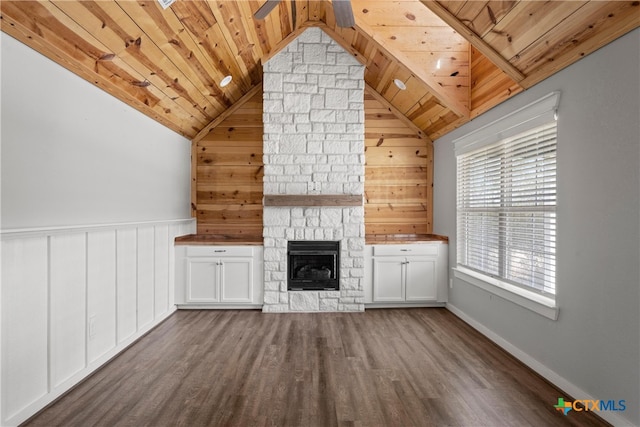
(73,298)
(229,171)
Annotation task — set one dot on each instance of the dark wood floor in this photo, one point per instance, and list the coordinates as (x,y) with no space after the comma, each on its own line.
(387,367)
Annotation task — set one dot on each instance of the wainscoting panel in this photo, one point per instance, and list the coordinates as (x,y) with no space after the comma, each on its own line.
(174,231)
(127,292)
(161,270)
(146,276)
(101,295)
(68,287)
(74,297)
(25,301)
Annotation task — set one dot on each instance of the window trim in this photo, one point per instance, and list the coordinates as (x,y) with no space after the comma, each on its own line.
(525,118)
(528,117)
(534,301)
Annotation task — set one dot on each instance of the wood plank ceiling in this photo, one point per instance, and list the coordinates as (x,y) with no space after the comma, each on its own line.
(456,58)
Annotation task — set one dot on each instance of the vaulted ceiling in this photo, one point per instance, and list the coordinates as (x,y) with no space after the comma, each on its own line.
(456,58)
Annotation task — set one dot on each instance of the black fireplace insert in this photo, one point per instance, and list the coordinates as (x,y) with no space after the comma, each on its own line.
(313,266)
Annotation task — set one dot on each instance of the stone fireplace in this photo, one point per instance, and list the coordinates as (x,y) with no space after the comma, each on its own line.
(313,168)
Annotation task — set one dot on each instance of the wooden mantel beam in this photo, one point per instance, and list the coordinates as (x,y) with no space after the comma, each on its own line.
(303,200)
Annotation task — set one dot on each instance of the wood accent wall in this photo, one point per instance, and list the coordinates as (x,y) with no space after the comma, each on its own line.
(228,174)
(398,173)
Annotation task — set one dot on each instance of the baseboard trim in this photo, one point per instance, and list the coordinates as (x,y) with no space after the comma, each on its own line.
(215,306)
(565,386)
(404,305)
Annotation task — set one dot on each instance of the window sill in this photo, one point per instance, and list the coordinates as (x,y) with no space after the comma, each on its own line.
(533,301)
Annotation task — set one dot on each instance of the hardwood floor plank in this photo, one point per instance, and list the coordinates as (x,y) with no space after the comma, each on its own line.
(391,367)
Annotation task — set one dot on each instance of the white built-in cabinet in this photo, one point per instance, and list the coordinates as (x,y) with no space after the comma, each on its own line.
(406,274)
(215,276)
(211,276)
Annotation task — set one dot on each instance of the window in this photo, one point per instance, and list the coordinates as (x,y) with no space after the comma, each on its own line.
(506,202)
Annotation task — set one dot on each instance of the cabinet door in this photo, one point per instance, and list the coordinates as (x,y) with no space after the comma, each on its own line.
(202,280)
(236,280)
(420,279)
(387,279)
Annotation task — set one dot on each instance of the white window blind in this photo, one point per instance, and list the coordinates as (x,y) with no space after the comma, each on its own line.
(506,202)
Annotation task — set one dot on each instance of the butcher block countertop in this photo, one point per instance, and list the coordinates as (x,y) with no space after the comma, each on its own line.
(370,239)
(390,239)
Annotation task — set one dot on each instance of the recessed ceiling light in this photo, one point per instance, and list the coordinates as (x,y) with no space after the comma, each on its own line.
(438,64)
(400,84)
(225,81)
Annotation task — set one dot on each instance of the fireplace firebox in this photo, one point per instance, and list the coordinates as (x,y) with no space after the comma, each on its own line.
(313,266)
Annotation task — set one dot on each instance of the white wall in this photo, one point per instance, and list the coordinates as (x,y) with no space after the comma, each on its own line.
(592,350)
(93,195)
(73,154)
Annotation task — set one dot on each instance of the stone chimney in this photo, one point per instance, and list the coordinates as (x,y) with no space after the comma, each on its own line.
(314,147)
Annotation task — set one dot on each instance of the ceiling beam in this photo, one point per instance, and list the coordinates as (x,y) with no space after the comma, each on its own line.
(474,39)
(425,77)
